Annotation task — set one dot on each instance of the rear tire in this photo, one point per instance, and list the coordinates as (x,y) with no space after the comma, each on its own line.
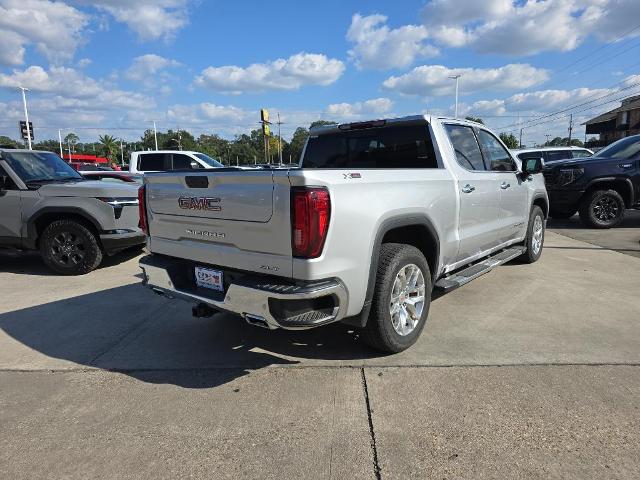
(401,299)
(602,209)
(535,236)
(69,248)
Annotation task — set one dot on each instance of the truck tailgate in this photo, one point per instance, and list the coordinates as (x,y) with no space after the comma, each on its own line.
(237,219)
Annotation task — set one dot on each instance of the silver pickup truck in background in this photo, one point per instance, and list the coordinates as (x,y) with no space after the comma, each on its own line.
(376,215)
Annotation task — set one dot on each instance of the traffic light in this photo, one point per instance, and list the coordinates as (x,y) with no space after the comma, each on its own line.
(23,130)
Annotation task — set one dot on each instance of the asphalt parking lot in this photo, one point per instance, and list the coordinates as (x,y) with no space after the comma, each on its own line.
(531,371)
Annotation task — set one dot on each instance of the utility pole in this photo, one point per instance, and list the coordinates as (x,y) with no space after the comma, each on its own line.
(26,114)
(570,127)
(155,134)
(121,154)
(547,142)
(60,141)
(521,137)
(456,78)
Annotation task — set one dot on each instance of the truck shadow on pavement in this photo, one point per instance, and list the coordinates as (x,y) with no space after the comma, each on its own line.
(130,330)
(30,263)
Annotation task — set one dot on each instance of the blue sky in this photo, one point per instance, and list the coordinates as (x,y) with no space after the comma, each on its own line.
(114,66)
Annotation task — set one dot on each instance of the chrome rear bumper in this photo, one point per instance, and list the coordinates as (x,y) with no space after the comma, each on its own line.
(252,298)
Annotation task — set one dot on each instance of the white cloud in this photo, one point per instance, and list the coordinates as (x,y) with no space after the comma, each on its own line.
(149,19)
(529,27)
(433,80)
(54,28)
(281,74)
(375,106)
(376,46)
(208,113)
(146,67)
(68,87)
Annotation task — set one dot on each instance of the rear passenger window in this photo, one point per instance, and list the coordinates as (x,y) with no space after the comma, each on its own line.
(466,147)
(181,161)
(498,158)
(386,147)
(553,155)
(151,161)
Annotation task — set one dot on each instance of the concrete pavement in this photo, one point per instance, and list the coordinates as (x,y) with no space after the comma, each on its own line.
(121,383)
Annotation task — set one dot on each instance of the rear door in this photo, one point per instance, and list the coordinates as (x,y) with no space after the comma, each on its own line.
(480,217)
(514,192)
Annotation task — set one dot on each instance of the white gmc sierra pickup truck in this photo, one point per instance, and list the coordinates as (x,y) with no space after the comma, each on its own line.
(376,215)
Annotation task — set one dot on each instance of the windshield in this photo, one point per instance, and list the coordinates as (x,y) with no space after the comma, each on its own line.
(208,160)
(40,166)
(625,148)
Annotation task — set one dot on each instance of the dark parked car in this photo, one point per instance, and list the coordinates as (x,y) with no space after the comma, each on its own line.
(600,188)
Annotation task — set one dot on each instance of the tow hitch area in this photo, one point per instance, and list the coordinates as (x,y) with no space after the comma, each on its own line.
(203,310)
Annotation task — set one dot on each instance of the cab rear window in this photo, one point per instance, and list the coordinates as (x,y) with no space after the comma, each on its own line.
(385,147)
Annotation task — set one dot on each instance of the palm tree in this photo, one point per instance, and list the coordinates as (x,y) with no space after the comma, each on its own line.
(109,145)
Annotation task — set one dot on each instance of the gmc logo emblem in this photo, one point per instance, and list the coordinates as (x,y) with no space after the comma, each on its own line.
(199,203)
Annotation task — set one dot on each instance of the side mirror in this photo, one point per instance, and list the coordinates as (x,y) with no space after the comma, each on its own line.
(531,166)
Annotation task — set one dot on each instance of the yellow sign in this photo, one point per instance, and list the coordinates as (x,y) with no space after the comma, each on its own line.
(266,130)
(264,115)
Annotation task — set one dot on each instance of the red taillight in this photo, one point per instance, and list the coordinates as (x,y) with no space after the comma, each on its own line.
(142,210)
(310,213)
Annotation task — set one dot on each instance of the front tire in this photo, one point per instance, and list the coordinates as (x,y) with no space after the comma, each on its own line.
(535,236)
(69,248)
(602,209)
(401,299)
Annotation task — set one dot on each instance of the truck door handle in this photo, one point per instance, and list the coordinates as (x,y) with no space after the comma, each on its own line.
(505,185)
(468,188)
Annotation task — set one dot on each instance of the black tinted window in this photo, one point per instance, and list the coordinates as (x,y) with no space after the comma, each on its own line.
(466,147)
(554,155)
(530,155)
(387,147)
(181,161)
(626,148)
(151,161)
(497,156)
(9,185)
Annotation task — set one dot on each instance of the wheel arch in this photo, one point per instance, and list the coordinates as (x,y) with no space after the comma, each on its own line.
(542,202)
(417,231)
(623,186)
(45,216)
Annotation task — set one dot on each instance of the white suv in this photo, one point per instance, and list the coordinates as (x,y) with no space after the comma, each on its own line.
(165,160)
(552,154)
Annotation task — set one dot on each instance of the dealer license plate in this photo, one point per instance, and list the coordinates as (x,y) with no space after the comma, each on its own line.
(208,278)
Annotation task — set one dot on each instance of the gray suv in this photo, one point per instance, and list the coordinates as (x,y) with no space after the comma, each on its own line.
(46,205)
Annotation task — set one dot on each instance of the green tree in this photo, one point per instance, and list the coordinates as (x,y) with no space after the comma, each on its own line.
(297,143)
(320,123)
(475,119)
(8,141)
(509,140)
(109,146)
(71,140)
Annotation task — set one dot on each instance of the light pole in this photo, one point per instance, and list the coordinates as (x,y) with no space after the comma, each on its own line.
(26,114)
(456,78)
(155,134)
(60,141)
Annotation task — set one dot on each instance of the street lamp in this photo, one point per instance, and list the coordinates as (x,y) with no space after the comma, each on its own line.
(456,78)
(26,114)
